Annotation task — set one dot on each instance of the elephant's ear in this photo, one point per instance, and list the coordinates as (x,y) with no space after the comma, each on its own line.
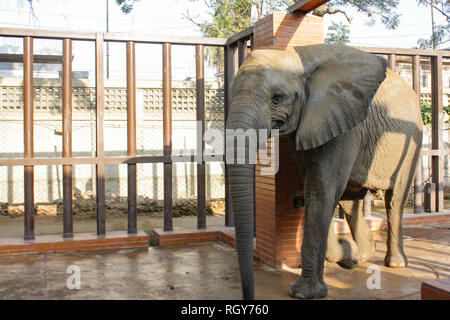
(343,82)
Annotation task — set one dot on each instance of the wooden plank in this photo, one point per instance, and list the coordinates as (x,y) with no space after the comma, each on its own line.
(46,34)
(306,5)
(161,39)
(406,52)
(105,160)
(242,35)
(111,36)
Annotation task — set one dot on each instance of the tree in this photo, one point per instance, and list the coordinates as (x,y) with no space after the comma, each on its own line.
(227,17)
(439,33)
(126,6)
(339,34)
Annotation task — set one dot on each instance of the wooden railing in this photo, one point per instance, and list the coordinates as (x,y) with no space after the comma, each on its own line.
(430,196)
(235,51)
(131,159)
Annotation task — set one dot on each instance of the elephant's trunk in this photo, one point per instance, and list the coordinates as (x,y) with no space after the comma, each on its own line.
(241,186)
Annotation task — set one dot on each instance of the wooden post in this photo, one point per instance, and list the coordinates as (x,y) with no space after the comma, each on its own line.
(167,128)
(100,153)
(200,99)
(28,136)
(67,138)
(131,135)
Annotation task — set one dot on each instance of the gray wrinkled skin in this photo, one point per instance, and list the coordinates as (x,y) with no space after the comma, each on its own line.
(356,126)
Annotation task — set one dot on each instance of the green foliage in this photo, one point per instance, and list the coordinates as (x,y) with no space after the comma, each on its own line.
(425,108)
(339,34)
(126,6)
(383,9)
(440,33)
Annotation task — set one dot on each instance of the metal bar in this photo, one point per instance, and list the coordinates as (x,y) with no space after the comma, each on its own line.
(100,152)
(392,61)
(418,178)
(67,138)
(437,163)
(200,99)
(167,139)
(28,136)
(131,134)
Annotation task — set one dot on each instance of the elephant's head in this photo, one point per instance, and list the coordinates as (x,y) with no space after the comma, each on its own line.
(317,92)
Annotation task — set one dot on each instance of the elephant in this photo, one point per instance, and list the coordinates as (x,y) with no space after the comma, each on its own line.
(356,126)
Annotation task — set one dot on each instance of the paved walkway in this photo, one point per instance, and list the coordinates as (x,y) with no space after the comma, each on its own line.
(209,271)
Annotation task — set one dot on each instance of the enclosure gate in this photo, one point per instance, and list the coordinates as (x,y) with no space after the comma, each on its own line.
(235,51)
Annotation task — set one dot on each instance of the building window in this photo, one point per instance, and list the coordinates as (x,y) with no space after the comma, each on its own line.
(425,83)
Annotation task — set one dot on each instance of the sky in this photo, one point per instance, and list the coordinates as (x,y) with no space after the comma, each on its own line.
(167,16)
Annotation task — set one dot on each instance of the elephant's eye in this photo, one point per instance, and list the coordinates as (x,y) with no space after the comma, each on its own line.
(277,98)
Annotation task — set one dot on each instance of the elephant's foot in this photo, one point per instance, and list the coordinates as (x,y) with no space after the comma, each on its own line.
(346,254)
(306,288)
(397,260)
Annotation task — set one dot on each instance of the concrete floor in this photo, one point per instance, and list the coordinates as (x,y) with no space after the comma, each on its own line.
(209,271)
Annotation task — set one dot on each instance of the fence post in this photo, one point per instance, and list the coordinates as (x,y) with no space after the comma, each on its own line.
(230,69)
(437,165)
(392,59)
(418,179)
(131,135)
(167,128)
(28,136)
(67,138)
(100,153)
(200,100)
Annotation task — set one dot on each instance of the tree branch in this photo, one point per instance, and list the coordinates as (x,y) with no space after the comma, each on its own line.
(324,9)
(434,7)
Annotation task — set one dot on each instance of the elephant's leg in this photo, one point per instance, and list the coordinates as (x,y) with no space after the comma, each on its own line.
(345,252)
(318,216)
(326,178)
(395,256)
(360,230)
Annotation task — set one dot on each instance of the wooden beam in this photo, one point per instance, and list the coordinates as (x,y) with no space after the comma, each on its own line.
(306,5)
